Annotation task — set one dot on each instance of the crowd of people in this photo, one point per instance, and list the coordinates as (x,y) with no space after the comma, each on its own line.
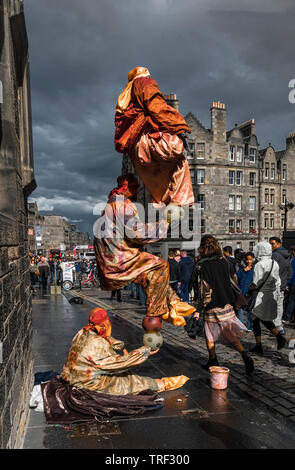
(44,271)
(207,281)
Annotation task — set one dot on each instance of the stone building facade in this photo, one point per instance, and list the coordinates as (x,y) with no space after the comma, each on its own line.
(225,175)
(16,184)
(52,232)
(241,189)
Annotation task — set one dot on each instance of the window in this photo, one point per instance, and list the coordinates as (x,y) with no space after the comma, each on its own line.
(193,176)
(252,179)
(200,176)
(231,177)
(251,246)
(271,221)
(273,171)
(266,196)
(252,226)
(201,151)
(239,203)
(239,178)
(252,155)
(284,198)
(239,226)
(239,245)
(266,171)
(231,203)
(201,200)
(266,221)
(284,172)
(252,203)
(191,146)
(232,153)
(240,154)
(202,226)
(283,221)
(231,226)
(272,196)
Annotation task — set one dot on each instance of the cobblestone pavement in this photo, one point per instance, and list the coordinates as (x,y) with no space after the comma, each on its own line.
(273,382)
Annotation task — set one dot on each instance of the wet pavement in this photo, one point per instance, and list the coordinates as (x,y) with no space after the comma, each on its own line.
(194,417)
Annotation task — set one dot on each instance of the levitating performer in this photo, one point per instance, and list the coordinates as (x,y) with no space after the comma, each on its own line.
(120,237)
(152,134)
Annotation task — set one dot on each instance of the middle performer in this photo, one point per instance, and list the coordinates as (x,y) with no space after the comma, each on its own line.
(120,238)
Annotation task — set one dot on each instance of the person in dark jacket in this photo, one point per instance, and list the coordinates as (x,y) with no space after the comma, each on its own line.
(227,252)
(186,266)
(216,300)
(281,256)
(174,271)
(44,270)
(51,265)
(291,291)
(245,278)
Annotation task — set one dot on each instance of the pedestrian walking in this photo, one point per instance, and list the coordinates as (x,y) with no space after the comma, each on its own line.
(174,271)
(217,299)
(44,270)
(287,316)
(266,278)
(186,266)
(233,268)
(117,293)
(281,256)
(245,278)
(33,275)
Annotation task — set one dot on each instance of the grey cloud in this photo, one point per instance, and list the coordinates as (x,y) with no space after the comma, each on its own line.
(81,53)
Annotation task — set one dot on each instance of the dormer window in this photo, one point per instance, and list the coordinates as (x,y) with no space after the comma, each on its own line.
(252,155)
(266,171)
(232,153)
(239,154)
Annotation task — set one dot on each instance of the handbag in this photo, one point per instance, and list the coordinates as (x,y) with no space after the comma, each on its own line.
(252,296)
(194,327)
(240,299)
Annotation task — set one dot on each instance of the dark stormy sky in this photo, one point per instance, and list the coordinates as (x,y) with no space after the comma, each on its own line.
(203,50)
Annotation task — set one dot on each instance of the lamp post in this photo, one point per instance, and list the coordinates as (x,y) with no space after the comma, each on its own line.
(286,207)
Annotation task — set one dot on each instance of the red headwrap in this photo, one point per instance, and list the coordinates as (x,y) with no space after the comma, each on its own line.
(126,183)
(99,322)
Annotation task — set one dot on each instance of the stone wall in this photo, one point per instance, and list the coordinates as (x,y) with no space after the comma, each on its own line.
(16,183)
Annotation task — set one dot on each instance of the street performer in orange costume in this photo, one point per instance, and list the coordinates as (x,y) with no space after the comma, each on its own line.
(120,237)
(152,134)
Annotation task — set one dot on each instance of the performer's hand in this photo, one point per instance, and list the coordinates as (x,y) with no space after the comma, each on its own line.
(125,352)
(154,352)
(197,315)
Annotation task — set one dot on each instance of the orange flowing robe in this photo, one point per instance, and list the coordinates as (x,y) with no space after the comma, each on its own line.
(148,131)
(121,259)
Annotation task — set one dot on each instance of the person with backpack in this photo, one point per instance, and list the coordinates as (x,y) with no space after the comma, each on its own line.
(267,283)
(281,256)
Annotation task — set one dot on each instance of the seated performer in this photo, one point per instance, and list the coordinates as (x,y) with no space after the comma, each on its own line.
(121,259)
(94,362)
(152,133)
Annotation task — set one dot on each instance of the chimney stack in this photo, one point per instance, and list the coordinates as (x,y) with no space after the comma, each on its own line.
(172,101)
(290,139)
(218,122)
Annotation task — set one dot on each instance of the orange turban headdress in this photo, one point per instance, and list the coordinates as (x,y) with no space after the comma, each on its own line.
(125,182)
(99,322)
(125,97)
